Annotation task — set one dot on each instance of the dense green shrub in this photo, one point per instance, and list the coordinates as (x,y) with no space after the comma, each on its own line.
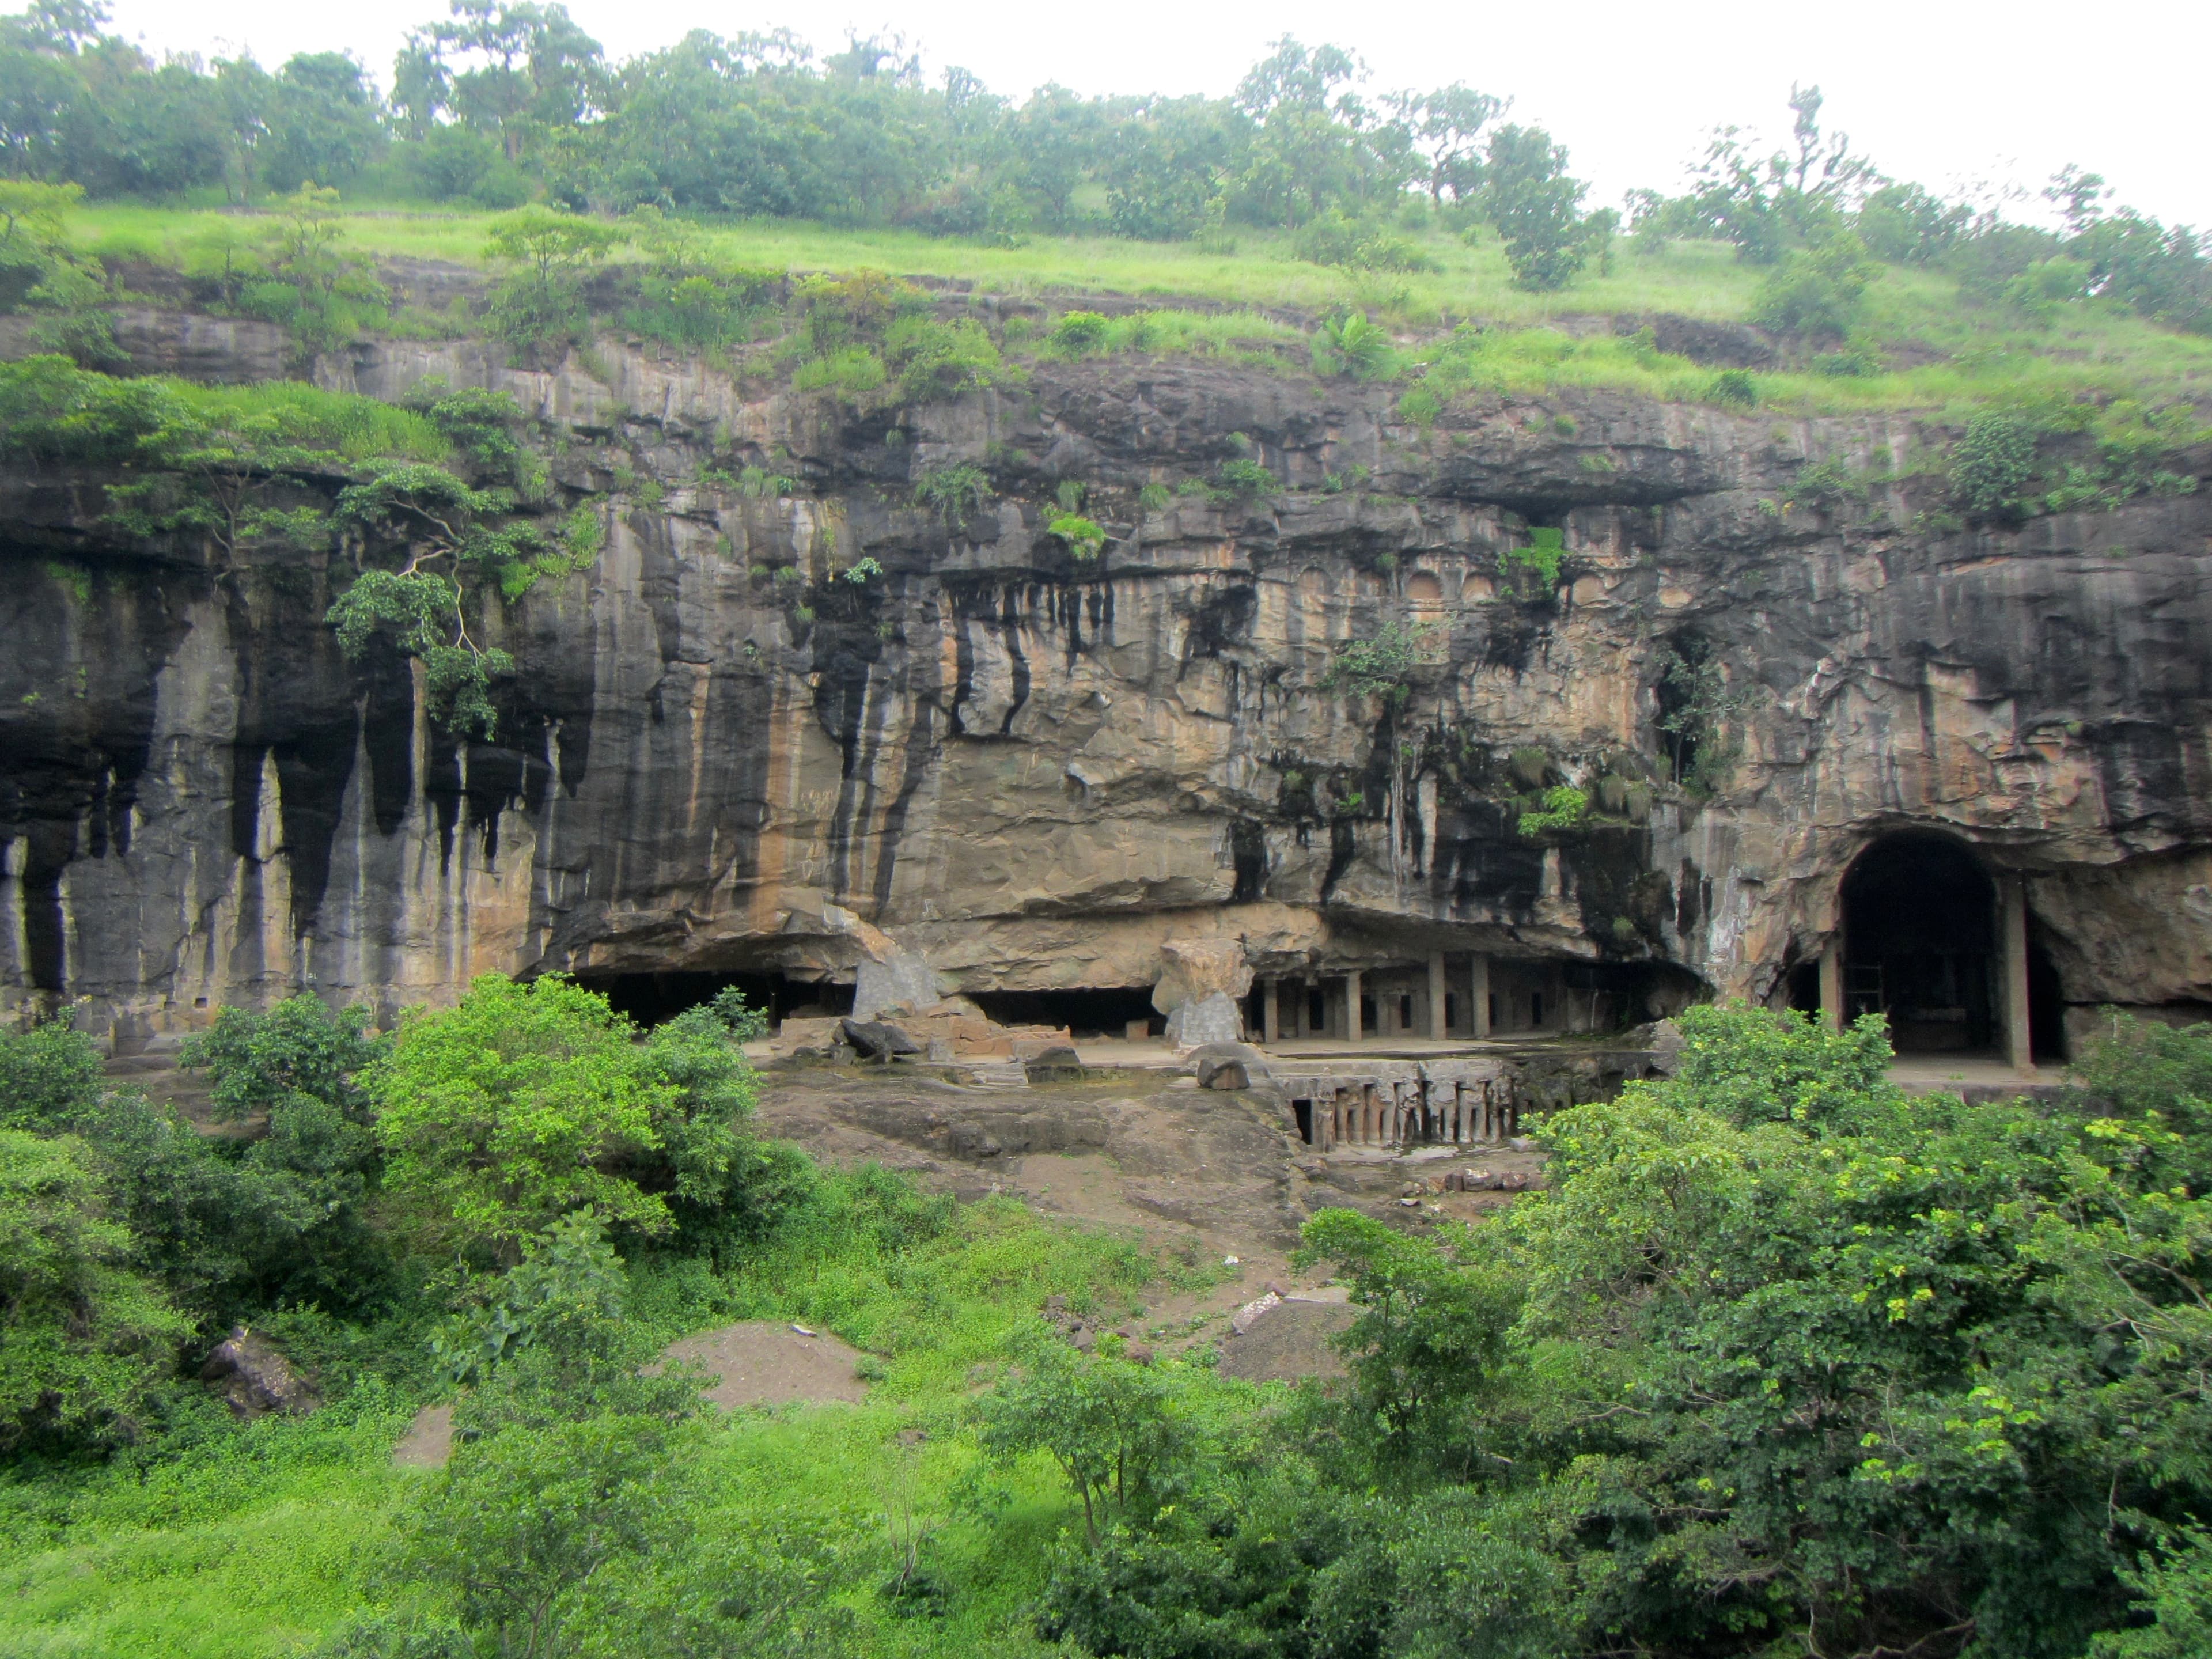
(1817,291)
(1349,344)
(952,490)
(84,1340)
(1536,207)
(1993,463)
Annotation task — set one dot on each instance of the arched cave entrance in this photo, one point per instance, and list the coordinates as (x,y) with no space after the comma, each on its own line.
(1920,946)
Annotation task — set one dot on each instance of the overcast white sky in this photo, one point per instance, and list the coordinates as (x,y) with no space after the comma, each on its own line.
(1948,92)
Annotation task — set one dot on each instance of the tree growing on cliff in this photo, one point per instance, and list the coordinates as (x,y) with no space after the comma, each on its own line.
(457,536)
(542,304)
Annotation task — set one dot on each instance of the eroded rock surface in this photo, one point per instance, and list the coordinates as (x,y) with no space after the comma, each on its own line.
(1028,772)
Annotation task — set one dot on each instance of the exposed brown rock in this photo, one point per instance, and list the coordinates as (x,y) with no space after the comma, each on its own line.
(996,769)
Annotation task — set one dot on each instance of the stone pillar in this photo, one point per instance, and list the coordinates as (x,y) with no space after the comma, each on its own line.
(1831,985)
(2012,936)
(1479,996)
(1352,1032)
(1271,1010)
(1437,1029)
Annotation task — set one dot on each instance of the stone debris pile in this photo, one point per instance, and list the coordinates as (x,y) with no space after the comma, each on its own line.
(1083,1333)
(949,1028)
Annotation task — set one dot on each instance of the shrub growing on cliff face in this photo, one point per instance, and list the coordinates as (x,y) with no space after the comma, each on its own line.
(1994,463)
(952,491)
(1085,538)
(1349,344)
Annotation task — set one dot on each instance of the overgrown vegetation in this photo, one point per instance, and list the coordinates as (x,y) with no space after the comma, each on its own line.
(1779,1349)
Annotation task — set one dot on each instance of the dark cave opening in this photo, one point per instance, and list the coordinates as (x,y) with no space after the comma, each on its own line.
(1096,1011)
(1804,988)
(649,998)
(2046,1007)
(1602,996)
(1920,945)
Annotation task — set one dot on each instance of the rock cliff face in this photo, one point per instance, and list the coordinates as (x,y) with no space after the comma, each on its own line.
(1031,771)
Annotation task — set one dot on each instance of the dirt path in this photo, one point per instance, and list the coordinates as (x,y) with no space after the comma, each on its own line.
(1214,1179)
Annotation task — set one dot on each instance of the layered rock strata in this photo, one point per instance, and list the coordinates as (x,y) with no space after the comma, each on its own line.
(733,746)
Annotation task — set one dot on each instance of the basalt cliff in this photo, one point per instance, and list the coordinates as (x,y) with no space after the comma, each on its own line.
(735,745)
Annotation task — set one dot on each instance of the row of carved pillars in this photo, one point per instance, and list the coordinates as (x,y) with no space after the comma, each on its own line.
(1388,1115)
(1343,995)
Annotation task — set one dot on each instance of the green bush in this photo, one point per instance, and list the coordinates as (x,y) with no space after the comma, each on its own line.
(935,360)
(1565,810)
(84,1339)
(1818,292)
(953,490)
(1078,332)
(1242,478)
(541,305)
(851,373)
(1993,463)
(1737,388)
(1083,539)
(1545,552)
(1349,344)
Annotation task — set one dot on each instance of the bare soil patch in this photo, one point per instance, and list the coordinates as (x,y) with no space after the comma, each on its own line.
(429,1441)
(1289,1342)
(763,1362)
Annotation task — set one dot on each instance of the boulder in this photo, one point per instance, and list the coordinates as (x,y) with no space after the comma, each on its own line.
(901,982)
(1228,1065)
(1214,1019)
(255,1378)
(876,1039)
(1197,969)
(1058,1064)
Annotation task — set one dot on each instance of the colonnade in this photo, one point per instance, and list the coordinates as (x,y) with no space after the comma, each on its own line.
(1339,998)
(1400,1112)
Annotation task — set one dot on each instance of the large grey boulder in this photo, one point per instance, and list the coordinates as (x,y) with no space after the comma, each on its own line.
(1213,1019)
(878,1039)
(255,1378)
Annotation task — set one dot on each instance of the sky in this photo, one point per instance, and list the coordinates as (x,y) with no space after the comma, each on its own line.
(1959,95)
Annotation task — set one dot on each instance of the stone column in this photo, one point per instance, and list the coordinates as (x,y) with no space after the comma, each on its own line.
(1437,1028)
(1271,1010)
(1831,985)
(1352,1032)
(2012,936)
(1478,993)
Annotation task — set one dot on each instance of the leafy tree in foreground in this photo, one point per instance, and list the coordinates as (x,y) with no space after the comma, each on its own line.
(1116,1429)
(506,1112)
(84,1339)
(523,1530)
